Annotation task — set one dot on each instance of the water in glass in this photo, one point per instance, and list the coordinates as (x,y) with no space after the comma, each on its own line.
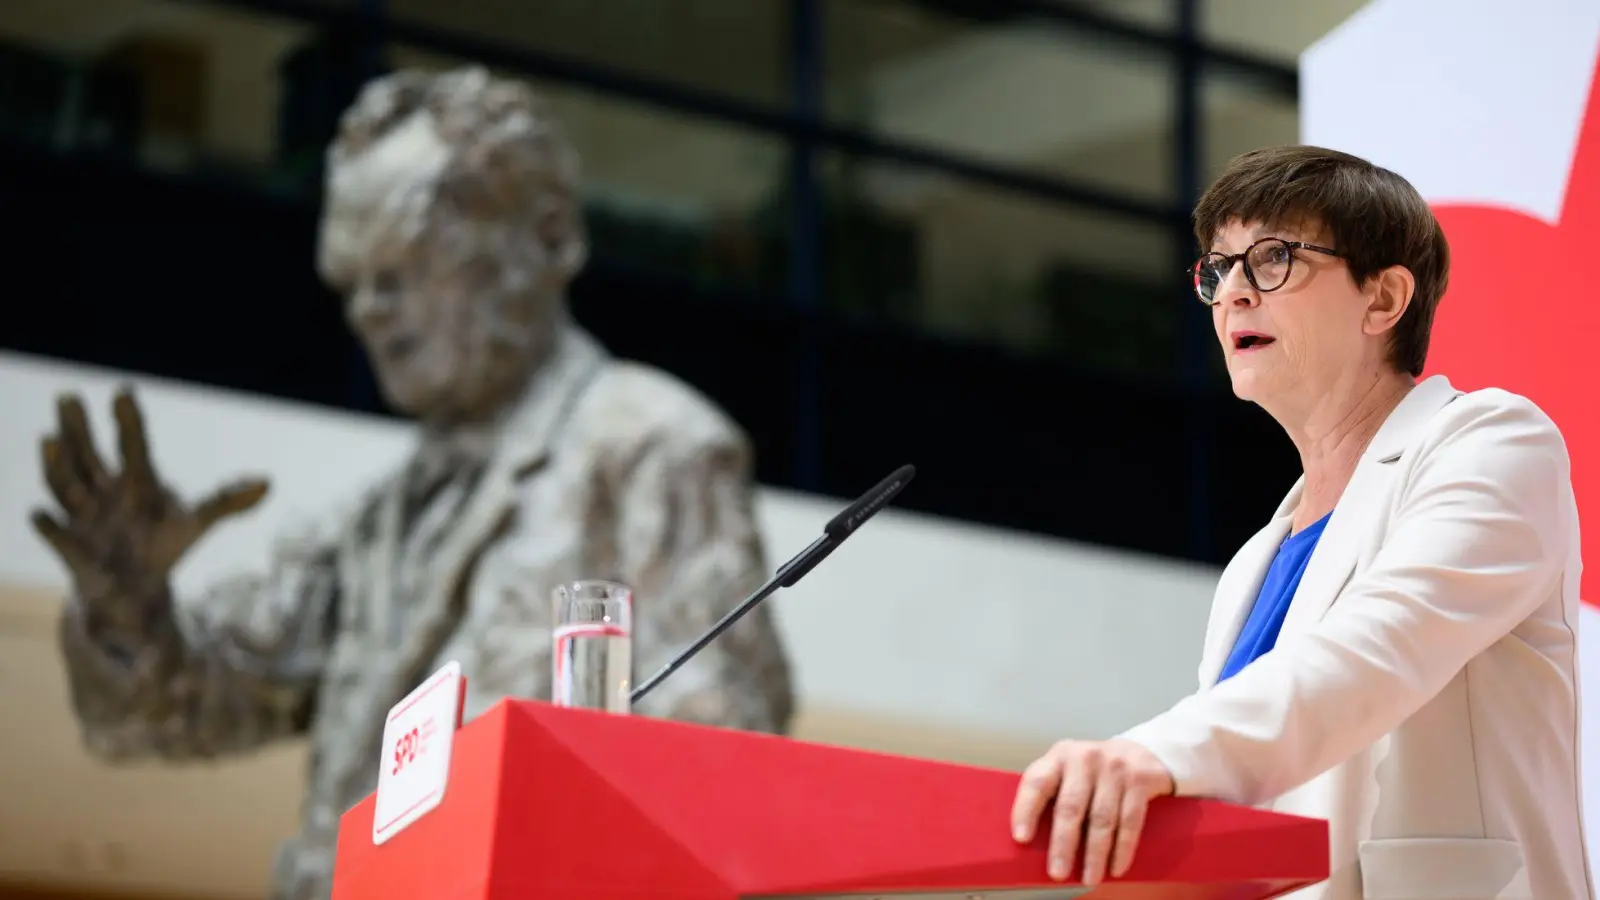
(593,646)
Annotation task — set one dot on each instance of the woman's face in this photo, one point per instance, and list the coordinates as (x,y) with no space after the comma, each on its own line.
(1296,339)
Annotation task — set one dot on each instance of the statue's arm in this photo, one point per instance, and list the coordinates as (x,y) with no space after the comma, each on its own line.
(229,673)
(691,551)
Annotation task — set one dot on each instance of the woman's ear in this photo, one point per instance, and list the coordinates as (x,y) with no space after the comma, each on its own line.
(1389,294)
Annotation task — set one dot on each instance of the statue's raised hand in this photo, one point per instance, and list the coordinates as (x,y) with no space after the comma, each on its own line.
(123,530)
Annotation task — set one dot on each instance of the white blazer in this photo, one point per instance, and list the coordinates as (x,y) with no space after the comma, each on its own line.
(1422,695)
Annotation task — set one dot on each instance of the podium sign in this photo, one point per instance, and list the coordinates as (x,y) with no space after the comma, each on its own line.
(415,767)
(572,804)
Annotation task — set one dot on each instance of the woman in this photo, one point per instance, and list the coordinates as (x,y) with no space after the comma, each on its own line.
(1395,651)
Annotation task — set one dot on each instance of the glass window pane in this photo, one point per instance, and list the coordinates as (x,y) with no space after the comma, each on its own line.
(1238,116)
(732,47)
(959,259)
(183,86)
(665,192)
(1030,94)
(1277,31)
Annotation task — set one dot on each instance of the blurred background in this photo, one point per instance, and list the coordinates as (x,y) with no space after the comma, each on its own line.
(949,232)
(929,227)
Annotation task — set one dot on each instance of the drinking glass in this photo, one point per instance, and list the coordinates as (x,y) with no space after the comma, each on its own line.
(593,659)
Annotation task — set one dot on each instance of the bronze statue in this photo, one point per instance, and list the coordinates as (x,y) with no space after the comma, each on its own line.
(453,226)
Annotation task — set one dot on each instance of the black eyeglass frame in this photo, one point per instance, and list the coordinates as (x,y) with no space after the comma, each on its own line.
(1229,260)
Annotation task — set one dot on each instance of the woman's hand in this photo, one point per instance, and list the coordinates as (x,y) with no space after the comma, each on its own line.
(1101,790)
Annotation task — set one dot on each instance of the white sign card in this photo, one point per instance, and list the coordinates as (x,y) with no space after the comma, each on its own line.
(415,763)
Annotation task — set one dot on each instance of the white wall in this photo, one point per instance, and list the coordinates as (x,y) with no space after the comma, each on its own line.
(920,635)
(992,630)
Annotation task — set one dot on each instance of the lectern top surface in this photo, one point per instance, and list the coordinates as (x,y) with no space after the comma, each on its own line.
(1064,892)
(831,822)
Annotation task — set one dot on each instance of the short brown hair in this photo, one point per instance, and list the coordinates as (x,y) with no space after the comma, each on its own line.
(1372,216)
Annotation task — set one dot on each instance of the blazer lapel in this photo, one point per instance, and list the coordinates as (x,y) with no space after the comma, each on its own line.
(1339,548)
(1236,594)
(1359,513)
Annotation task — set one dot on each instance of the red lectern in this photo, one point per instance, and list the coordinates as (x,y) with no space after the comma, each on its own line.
(547,803)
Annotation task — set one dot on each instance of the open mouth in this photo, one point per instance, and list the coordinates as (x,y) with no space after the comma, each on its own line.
(1250,340)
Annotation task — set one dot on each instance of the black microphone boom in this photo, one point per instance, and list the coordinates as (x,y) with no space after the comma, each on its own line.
(857,513)
(833,534)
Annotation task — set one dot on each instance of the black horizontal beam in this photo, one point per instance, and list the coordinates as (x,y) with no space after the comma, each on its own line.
(656,92)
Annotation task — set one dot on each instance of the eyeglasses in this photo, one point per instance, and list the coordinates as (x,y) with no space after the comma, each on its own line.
(1267,264)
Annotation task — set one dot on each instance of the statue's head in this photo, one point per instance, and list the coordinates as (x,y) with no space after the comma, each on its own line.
(452,226)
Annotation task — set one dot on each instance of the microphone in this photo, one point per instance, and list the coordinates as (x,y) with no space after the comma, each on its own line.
(834,533)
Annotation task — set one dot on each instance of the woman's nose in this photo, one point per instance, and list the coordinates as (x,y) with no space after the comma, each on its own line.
(1236,289)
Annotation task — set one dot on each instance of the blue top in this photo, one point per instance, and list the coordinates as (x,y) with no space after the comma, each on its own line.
(1260,631)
